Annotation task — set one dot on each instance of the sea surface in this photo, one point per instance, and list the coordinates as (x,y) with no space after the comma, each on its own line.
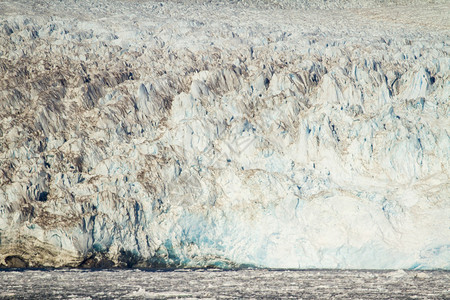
(212,283)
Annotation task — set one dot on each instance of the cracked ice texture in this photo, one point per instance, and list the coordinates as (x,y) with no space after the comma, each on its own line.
(272,134)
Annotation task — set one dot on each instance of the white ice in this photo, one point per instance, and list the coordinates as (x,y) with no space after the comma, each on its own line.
(278,134)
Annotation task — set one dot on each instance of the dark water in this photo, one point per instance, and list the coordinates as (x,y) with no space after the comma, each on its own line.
(138,284)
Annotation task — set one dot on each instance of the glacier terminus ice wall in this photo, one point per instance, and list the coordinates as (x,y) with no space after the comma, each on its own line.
(284,134)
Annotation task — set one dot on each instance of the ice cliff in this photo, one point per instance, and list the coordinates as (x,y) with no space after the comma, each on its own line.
(194,134)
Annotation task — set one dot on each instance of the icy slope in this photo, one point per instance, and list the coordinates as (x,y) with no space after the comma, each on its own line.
(139,133)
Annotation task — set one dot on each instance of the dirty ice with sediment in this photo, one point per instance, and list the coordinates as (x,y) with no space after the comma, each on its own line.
(284,134)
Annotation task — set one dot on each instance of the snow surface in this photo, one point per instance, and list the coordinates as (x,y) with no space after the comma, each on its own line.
(286,134)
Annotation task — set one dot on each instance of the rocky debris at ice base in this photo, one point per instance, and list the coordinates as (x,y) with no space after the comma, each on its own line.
(169,141)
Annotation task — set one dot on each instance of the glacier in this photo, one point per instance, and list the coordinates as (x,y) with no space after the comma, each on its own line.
(275,134)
